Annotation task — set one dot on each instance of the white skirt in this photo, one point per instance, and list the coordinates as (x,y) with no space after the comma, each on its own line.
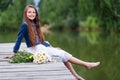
(52,52)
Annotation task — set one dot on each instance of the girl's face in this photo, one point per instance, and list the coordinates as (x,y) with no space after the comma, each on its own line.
(31,14)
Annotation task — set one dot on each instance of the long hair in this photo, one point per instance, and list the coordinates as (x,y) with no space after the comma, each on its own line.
(31,30)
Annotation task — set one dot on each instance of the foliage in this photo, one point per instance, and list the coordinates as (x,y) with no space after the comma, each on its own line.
(59,13)
(4,4)
(104,10)
(90,22)
(21,57)
(11,17)
(63,14)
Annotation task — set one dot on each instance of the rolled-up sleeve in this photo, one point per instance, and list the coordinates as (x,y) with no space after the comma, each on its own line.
(46,43)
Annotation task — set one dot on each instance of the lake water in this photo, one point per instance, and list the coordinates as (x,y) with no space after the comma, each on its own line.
(87,46)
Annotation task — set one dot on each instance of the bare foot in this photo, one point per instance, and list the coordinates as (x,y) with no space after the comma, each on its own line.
(80,78)
(92,65)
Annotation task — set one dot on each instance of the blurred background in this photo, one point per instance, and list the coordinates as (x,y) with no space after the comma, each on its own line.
(88,29)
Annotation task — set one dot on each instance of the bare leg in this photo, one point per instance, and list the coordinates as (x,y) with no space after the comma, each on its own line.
(70,67)
(88,65)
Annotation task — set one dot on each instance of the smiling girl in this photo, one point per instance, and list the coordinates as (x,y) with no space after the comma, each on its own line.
(30,30)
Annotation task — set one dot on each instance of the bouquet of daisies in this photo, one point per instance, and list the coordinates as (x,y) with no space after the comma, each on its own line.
(24,57)
(41,57)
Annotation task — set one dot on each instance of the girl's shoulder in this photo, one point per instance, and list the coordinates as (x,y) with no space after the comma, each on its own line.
(24,24)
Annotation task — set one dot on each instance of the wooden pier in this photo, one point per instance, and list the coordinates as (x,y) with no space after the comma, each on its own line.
(30,71)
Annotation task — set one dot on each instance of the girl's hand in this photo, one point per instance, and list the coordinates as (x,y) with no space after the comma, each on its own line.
(8,57)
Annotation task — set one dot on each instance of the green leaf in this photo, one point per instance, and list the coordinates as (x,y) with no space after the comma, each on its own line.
(21,57)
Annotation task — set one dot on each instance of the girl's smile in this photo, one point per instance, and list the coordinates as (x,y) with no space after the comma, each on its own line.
(31,14)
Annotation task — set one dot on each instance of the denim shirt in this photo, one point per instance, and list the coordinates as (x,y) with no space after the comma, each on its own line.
(23,33)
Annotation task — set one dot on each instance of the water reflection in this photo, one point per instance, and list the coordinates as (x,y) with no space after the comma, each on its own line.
(90,36)
(88,46)
(93,46)
(6,37)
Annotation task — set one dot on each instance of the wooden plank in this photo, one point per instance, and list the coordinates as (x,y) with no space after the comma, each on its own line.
(24,70)
(8,47)
(30,71)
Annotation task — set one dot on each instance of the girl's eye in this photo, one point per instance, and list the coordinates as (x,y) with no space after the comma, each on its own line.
(31,12)
(34,12)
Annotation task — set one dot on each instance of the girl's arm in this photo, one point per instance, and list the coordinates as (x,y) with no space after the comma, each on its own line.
(21,33)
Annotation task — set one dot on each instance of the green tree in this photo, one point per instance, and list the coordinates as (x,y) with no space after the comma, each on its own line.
(106,11)
(68,12)
(4,4)
(11,18)
(59,12)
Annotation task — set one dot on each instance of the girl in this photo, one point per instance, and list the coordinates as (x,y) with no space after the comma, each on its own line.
(30,30)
